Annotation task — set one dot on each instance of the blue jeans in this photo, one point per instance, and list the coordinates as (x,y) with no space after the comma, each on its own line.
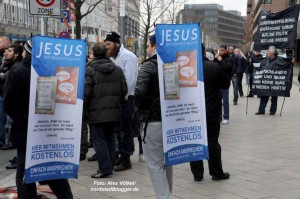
(264,101)
(235,86)
(225,100)
(104,144)
(2,122)
(9,122)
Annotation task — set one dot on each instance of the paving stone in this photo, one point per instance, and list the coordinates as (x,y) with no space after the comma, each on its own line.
(260,152)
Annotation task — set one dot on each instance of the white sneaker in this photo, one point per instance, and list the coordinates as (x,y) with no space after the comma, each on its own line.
(225,121)
(141,158)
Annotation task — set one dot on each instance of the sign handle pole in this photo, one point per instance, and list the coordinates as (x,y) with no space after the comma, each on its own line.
(248,91)
(46,26)
(291,70)
(282,106)
(72,26)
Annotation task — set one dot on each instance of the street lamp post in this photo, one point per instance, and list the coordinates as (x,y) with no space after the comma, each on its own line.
(122,21)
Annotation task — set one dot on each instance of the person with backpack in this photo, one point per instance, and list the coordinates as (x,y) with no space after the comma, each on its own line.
(148,100)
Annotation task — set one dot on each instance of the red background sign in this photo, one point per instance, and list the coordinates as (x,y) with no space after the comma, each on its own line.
(64,34)
(46,4)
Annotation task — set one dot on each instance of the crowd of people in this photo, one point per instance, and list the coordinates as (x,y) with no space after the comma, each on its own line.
(119,100)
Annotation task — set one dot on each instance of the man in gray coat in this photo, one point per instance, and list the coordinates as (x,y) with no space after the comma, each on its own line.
(105,89)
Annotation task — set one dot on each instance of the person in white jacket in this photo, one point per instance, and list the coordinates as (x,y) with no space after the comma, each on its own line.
(128,61)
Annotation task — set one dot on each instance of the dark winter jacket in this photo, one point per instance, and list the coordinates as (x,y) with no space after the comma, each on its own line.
(147,89)
(227,64)
(16,101)
(4,71)
(240,64)
(214,80)
(104,89)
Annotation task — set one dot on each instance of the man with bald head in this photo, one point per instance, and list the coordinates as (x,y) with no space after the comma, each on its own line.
(4,42)
(104,90)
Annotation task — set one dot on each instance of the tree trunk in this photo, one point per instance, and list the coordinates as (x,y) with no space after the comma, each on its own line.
(145,43)
(78,5)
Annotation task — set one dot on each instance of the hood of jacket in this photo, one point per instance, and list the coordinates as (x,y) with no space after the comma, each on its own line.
(103,65)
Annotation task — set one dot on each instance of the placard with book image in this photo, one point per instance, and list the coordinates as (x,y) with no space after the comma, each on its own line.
(55,111)
(182,92)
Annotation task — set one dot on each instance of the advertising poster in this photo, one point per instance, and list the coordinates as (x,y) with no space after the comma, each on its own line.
(55,111)
(181,92)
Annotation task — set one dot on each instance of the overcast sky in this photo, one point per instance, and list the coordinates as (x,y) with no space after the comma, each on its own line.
(239,5)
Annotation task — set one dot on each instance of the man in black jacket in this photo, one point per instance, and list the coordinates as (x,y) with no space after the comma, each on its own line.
(104,90)
(12,59)
(148,100)
(227,63)
(16,104)
(214,80)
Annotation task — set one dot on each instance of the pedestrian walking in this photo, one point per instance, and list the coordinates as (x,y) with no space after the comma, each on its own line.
(148,100)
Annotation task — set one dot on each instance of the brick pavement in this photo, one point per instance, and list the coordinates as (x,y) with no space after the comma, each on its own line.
(262,154)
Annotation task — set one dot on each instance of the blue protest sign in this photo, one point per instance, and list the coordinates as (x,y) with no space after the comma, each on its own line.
(181,92)
(56,101)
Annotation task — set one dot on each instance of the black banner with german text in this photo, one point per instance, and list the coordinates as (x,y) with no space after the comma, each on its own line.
(272,77)
(277,29)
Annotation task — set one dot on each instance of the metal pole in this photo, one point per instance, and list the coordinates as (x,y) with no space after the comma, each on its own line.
(42,26)
(122,21)
(73,27)
(46,26)
(247,98)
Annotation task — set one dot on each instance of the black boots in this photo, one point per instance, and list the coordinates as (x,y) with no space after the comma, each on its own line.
(124,164)
(223,176)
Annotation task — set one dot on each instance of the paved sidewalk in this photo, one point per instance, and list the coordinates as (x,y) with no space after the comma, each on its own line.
(262,154)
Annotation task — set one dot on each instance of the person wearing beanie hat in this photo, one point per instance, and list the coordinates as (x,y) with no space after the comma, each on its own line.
(113,37)
(16,105)
(147,100)
(128,62)
(28,46)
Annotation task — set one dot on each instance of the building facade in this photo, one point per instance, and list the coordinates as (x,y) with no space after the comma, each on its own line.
(17,24)
(218,26)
